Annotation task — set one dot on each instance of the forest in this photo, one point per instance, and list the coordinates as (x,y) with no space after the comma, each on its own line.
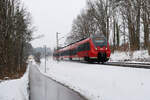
(15,36)
(125,23)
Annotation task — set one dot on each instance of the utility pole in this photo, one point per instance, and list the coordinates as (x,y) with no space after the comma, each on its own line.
(57,41)
(45,58)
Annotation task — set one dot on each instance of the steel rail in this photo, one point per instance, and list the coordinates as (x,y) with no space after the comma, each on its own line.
(128,64)
(119,64)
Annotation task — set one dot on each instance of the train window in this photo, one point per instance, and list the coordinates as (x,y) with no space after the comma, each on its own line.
(84,47)
(99,41)
(63,53)
(67,52)
(73,52)
(70,52)
(87,46)
(79,48)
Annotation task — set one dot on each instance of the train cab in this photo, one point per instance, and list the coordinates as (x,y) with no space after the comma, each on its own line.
(101,50)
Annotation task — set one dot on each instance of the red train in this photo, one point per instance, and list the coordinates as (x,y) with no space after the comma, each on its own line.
(95,48)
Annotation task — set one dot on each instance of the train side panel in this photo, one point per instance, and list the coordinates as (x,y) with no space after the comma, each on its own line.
(85,50)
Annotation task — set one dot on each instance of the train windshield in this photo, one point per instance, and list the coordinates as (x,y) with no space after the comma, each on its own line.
(100,41)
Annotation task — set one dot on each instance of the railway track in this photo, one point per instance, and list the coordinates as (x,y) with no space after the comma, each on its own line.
(120,64)
(124,64)
(128,64)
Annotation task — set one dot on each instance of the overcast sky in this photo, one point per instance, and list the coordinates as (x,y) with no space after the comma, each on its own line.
(51,16)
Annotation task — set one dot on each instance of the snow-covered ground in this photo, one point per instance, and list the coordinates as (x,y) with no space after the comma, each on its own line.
(101,82)
(137,56)
(15,89)
(95,82)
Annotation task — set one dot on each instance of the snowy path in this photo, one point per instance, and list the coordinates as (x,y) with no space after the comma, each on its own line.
(99,82)
(44,88)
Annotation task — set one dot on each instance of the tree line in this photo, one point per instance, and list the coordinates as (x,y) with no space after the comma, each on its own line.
(15,34)
(125,23)
(41,52)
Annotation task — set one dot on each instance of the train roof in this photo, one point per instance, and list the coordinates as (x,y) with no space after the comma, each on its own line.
(75,42)
(70,45)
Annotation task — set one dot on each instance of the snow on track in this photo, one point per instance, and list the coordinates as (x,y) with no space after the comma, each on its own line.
(137,56)
(101,82)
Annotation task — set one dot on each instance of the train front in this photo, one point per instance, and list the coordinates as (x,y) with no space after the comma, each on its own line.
(101,48)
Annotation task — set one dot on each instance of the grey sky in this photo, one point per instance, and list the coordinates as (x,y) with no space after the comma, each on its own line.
(51,16)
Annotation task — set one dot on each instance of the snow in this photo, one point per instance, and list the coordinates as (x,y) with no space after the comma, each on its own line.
(137,56)
(101,82)
(93,81)
(15,89)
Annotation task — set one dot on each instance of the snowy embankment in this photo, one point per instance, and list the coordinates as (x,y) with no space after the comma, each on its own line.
(101,82)
(15,89)
(137,56)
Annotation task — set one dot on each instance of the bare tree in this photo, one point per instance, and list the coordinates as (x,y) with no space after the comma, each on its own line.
(15,32)
(121,19)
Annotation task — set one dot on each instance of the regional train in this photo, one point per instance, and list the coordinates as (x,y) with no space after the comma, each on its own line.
(92,49)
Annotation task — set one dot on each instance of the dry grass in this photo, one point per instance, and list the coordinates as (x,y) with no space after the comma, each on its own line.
(6,74)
